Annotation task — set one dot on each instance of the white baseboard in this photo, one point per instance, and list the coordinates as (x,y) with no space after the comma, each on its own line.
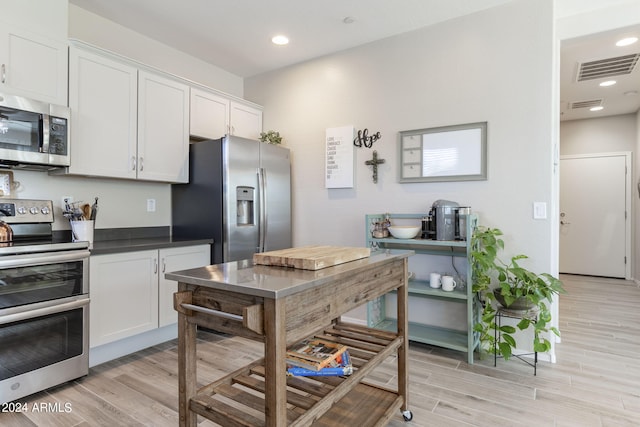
(116,349)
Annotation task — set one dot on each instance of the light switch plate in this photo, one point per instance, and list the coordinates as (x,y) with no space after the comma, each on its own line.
(539,210)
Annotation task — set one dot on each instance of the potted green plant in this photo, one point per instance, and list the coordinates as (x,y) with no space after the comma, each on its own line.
(271,137)
(512,286)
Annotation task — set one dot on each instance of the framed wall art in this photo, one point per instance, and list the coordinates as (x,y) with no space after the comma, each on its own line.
(446,153)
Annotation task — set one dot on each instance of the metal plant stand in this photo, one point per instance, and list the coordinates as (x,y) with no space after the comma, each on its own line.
(514,314)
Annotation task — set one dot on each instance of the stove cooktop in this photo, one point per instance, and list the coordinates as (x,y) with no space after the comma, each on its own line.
(31,222)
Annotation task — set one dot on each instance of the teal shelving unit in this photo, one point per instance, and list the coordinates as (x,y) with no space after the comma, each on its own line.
(464,341)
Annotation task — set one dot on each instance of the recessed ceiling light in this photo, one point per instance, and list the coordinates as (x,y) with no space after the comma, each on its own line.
(608,83)
(596,108)
(280,40)
(626,41)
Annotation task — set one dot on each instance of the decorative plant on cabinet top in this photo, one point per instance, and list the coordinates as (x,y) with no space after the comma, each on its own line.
(271,137)
(517,289)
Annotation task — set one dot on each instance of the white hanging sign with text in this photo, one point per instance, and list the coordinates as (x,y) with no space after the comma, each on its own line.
(339,164)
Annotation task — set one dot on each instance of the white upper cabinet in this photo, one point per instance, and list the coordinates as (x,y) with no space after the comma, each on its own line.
(163,129)
(209,114)
(126,123)
(214,116)
(33,49)
(246,120)
(104,105)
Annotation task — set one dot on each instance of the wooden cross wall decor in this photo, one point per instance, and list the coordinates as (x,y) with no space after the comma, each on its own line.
(374,162)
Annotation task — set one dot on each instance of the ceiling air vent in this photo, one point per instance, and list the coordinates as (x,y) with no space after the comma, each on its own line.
(607,67)
(585,104)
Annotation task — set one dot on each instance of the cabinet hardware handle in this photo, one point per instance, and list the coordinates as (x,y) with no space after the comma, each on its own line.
(155,266)
(133,163)
(164,265)
(141,163)
(4,73)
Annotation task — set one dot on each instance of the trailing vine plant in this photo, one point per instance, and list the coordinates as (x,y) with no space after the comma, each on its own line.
(514,286)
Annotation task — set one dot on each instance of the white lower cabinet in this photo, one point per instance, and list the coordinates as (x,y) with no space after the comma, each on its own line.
(129,294)
(124,295)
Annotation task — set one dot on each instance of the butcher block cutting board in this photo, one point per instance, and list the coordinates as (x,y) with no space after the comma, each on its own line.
(311,257)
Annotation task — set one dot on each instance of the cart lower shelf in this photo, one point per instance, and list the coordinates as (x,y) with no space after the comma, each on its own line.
(238,398)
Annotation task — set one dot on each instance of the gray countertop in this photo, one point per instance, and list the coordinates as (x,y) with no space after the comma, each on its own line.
(102,247)
(248,278)
(118,240)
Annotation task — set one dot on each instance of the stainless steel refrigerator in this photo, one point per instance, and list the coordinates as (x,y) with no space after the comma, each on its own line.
(239,195)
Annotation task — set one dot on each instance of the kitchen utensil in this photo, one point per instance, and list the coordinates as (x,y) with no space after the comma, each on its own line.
(94,210)
(86,211)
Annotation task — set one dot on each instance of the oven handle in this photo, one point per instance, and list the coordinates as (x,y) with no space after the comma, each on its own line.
(38,312)
(44,258)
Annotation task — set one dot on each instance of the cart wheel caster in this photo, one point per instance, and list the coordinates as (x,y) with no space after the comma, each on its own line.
(407,415)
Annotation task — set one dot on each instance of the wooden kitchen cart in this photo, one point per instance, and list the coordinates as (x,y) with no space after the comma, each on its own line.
(466,340)
(281,306)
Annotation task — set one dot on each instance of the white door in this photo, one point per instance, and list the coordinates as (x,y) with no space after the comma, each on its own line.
(594,230)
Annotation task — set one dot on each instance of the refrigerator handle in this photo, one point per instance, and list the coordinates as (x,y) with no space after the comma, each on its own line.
(262,214)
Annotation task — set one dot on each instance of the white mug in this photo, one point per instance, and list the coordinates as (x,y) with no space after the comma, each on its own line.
(434,280)
(448,284)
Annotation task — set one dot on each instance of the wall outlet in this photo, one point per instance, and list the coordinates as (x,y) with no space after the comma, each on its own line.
(151,205)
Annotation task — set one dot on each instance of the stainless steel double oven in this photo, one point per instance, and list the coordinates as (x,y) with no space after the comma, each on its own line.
(44,303)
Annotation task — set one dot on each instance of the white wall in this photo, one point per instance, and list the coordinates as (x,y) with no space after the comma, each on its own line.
(494,66)
(601,135)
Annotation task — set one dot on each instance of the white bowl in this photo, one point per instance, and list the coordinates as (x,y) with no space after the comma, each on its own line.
(404,231)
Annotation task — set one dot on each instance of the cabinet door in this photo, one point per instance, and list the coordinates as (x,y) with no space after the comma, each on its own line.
(33,66)
(124,295)
(163,129)
(103,102)
(176,259)
(209,115)
(246,121)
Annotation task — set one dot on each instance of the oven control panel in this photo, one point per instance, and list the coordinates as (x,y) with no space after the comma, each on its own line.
(23,211)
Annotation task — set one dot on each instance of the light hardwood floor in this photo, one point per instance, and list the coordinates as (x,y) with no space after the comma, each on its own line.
(595,382)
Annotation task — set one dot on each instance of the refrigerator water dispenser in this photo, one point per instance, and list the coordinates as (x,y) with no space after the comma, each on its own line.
(244,205)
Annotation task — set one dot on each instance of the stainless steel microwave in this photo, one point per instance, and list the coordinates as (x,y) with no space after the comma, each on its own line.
(33,134)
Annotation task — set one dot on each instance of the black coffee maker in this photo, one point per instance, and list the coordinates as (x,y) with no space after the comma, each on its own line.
(442,222)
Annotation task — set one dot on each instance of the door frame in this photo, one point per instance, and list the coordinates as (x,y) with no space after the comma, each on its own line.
(627,200)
